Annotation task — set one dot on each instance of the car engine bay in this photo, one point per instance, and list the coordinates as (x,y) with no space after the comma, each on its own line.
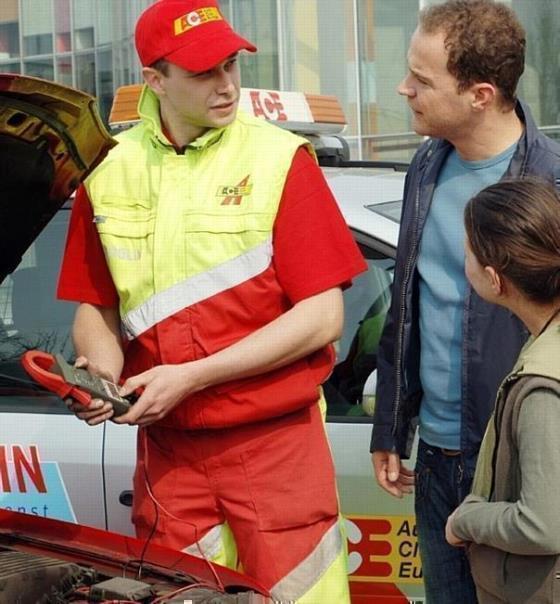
(27,578)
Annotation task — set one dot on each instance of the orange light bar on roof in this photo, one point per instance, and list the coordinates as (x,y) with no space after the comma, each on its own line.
(296,111)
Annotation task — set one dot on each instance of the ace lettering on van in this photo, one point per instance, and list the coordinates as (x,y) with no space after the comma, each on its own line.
(32,486)
(384,548)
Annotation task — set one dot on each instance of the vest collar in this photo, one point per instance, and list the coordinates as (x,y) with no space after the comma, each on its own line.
(540,355)
(148,110)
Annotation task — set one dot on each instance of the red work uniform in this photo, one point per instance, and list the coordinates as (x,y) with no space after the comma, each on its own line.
(271,481)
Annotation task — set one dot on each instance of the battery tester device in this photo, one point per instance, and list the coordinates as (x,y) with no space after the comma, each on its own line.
(58,376)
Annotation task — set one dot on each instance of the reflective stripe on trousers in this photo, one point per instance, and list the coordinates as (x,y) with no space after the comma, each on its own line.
(218,545)
(272,482)
(319,579)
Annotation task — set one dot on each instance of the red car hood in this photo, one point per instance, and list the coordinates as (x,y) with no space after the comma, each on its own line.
(113,555)
(51,137)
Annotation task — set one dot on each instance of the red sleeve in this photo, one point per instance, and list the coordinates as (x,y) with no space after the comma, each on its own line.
(313,248)
(84,276)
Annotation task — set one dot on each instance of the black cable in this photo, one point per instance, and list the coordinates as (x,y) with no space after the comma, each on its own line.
(154,526)
(219,584)
(103,477)
(12,378)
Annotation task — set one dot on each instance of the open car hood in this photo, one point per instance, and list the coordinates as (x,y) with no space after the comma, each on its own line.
(51,137)
(74,563)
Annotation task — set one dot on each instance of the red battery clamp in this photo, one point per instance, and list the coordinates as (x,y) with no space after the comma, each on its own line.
(56,375)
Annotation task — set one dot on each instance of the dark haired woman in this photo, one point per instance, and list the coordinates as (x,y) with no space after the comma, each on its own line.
(511,521)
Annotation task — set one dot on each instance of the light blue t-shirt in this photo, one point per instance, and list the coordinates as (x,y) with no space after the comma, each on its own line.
(441,265)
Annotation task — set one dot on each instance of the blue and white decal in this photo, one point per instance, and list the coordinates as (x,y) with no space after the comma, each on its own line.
(32,486)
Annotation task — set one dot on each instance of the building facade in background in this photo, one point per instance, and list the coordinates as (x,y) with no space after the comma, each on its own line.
(353,49)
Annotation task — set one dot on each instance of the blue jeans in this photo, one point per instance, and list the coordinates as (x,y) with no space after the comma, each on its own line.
(442,482)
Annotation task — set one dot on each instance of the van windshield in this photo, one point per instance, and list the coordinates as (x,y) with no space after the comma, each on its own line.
(32,318)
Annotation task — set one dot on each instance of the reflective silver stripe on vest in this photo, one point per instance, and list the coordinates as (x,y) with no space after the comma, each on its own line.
(300,580)
(217,279)
(210,544)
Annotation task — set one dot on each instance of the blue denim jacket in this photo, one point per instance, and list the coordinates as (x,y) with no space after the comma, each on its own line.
(492,336)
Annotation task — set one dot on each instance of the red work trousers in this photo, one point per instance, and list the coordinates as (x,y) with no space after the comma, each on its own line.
(272,482)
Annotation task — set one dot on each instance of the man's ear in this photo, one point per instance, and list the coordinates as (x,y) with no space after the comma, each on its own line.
(154,79)
(497,282)
(483,95)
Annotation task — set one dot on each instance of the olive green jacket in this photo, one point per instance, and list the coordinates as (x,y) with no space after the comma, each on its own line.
(512,517)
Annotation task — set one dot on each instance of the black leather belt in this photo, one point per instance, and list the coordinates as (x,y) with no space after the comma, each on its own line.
(450,452)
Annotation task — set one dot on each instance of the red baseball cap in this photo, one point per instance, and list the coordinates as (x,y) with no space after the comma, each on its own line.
(192,34)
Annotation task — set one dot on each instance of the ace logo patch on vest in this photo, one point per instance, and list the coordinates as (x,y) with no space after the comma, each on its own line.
(233,194)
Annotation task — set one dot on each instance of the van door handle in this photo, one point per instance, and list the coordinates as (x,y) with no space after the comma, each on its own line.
(125,498)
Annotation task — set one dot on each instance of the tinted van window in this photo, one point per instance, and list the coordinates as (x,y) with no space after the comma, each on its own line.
(32,318)
(365,307)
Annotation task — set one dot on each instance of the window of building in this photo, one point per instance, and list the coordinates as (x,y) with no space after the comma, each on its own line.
(9,40)
(13,67)
(85,73)
(105,20)
(258,22)
(37,27)
(384,32)
(64,70)
(320,50)
(62,16)
(9,29)
(352,49)
(40,68)
(39,44)
(84,19)
(539,83)
(105,77)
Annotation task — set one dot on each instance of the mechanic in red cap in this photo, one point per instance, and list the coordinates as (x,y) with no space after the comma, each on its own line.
(211,240)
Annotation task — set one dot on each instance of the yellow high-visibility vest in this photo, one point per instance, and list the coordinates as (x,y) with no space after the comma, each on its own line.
(164,217)
(188,242)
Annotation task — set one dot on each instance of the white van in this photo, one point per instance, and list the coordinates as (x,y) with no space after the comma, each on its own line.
(54,466)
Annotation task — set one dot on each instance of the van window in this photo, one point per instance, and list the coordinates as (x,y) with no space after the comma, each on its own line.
(351,383)
(32,318)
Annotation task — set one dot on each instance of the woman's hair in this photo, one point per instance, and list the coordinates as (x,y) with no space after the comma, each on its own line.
(514,227)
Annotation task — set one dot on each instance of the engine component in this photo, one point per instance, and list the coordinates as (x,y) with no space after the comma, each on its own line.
(27,578)
(120,588)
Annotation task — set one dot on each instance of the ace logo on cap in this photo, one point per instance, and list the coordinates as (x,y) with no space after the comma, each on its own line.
(171,30)
(196,17)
